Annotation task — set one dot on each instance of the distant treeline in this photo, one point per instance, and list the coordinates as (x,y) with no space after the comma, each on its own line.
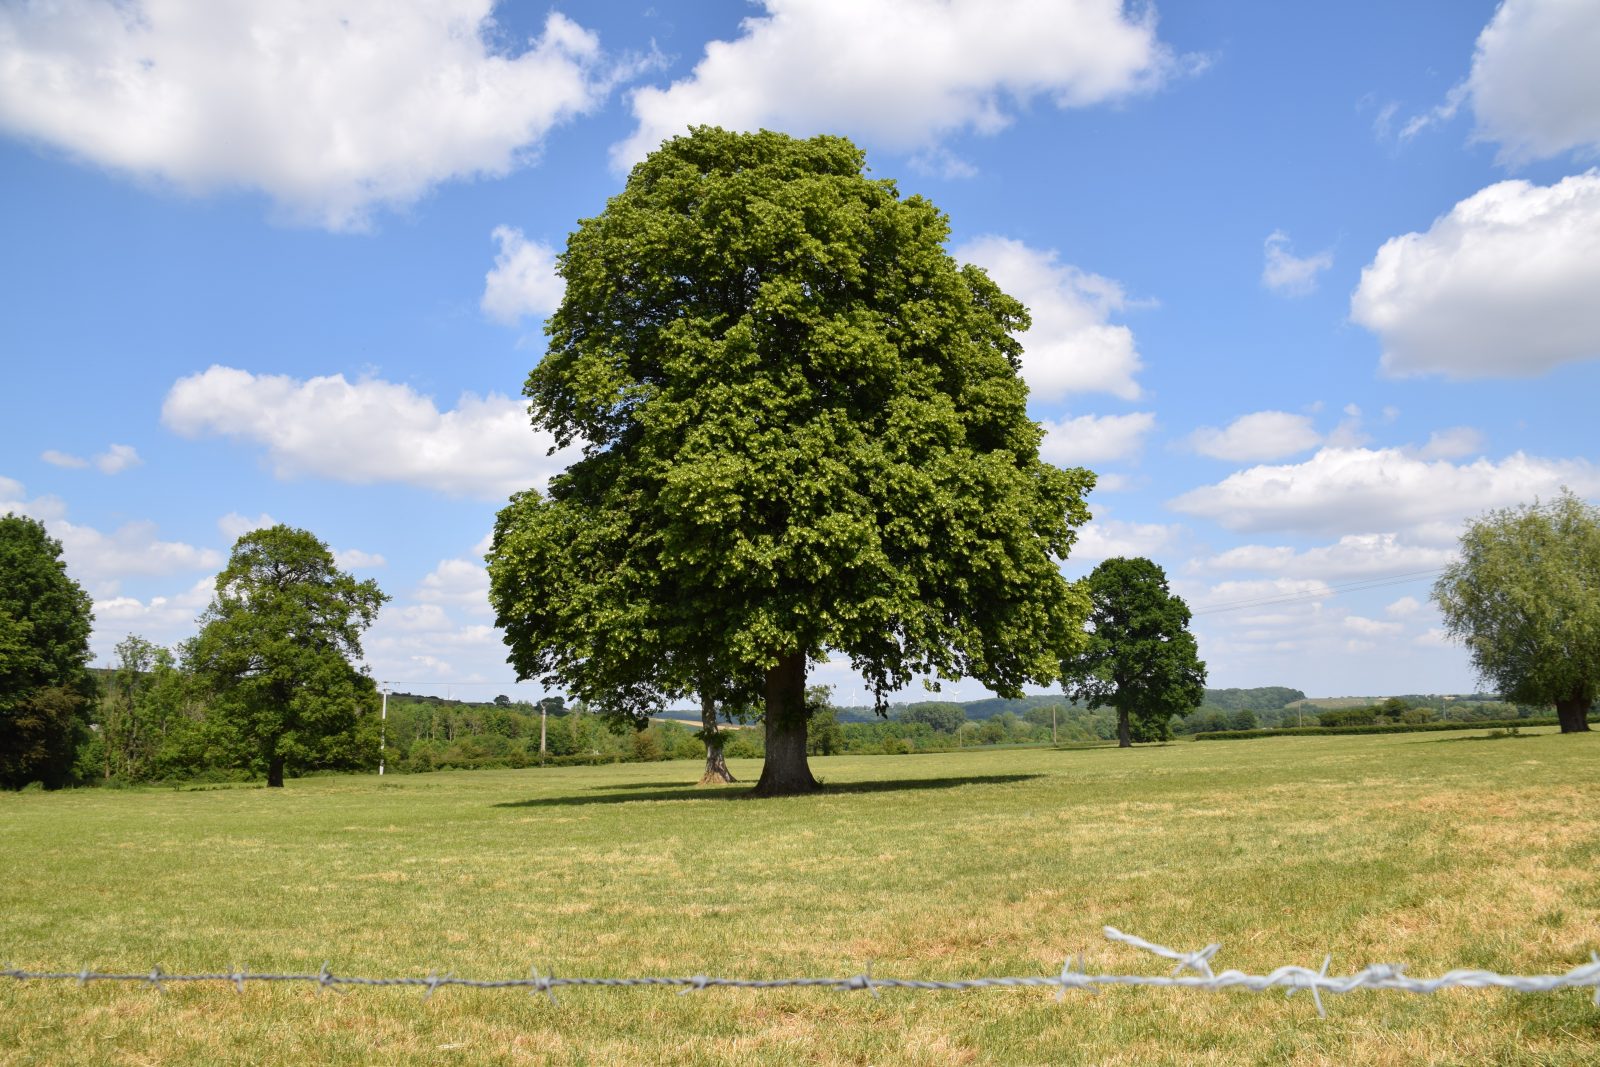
(153,724)
(1264,698)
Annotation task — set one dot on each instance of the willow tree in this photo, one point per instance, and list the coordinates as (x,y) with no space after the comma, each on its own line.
(803,435)
(1524,597)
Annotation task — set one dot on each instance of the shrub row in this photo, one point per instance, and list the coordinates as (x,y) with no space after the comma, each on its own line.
(1376,728)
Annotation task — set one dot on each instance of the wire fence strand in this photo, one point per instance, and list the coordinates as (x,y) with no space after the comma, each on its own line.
(1291,979)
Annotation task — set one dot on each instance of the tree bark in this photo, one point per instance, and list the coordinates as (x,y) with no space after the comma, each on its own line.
(717,772)
(1573,714)
(785,771)
(275,771)
(1124,736)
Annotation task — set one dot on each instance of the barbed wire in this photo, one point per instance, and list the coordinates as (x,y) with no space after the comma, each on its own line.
(1291,978)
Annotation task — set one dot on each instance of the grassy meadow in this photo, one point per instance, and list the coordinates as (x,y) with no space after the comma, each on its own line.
(1431,851)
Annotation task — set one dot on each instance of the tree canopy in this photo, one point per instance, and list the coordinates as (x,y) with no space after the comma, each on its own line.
(277,647)
(45,687)
(1524,597)
(1140,658)
(803,433)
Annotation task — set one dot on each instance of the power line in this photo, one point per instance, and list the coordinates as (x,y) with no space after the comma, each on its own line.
(1403,578)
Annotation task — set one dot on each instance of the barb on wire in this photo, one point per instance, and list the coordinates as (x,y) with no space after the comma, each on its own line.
(1073,975)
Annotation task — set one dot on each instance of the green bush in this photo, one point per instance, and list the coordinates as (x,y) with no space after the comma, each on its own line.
(1340,717)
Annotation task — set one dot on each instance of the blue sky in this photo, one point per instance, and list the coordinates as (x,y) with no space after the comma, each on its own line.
(1311,284)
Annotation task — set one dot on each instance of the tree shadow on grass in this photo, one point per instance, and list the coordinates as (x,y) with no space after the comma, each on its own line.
(1493,735)
(627,794)
(643,785)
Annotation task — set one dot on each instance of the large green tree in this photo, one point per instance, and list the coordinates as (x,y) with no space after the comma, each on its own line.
(277,648)
(1524,596)
(1140,658)
(803,433)
(45,687)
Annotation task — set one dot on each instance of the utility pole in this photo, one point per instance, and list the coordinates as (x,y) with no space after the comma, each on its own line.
(544,711)
(383,729)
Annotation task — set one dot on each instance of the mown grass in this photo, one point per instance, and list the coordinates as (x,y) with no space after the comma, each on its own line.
(1432,852)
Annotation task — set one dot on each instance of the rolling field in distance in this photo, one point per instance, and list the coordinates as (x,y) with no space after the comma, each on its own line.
(1435,852)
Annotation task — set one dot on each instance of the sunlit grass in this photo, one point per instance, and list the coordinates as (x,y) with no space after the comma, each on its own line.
(1433,852)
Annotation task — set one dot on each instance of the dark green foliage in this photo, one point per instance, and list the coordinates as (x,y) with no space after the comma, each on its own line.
(803,431)
(1347,717)
(1140,658)
(942,717)
(45,687)
(1524,596)
(276,652)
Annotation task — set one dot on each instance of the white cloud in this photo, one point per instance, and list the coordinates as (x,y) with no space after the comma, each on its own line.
(1453,443)
(1349,433)
(113,460)
(1094,438)
(234,525)
(1379,489)
(367,431)
(1435,638)
(1535,82)
(1287,274)
(166,620)
(1404,608)
(1353,556)
(1261,435)
(1108,538)
(330,107)
(459,582)
(355,559)
(1437,115)
(1504,285)
(63,459)
(419,643)
(1370,627)
(1112,483)
(117,459)
(1282,598)
(1070,348)
(524,280)
(131,549)
(903,74)
(13,498)
(101,560)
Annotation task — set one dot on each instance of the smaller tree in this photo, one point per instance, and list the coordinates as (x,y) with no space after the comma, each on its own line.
(276,649)
(132,712)
(826,736)
(45,686)
(1140,658)
(1524,597)
(944,718)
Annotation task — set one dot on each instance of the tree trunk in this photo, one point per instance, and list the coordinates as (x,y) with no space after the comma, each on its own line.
(1124,737)
(717,772)
(1573,714)
(275,771)
(785,771)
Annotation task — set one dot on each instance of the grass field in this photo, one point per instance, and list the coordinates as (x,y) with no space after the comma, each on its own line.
(1435,852)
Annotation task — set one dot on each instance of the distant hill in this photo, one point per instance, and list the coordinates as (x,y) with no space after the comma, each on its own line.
(1262,698)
